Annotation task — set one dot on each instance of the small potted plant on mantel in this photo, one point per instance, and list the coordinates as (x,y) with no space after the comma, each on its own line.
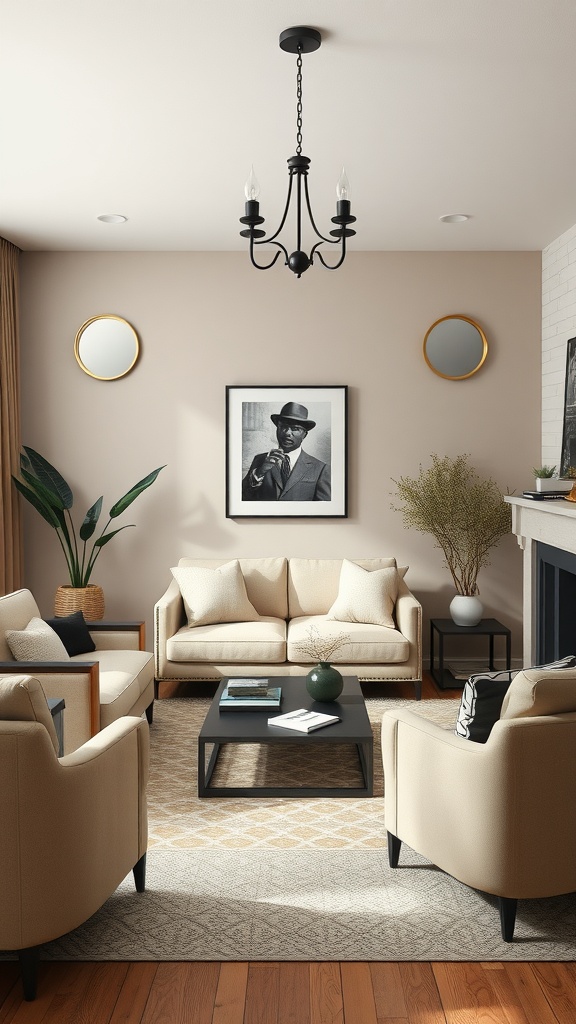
(466,515)
(546,480)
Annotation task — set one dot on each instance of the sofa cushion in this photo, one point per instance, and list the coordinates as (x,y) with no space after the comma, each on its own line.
(214,595)
(124,676)
(313,582)
(369,644)
(365,595)
(256,642)
(37,642)
(541,691)
(73,632)
(266,581)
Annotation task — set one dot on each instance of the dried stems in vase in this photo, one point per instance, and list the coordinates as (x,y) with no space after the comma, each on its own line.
(322,647)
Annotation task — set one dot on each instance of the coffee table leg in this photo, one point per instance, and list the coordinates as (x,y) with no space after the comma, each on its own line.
(205,773)
(366,755)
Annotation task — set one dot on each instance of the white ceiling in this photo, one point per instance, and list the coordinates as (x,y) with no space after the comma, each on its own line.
(157,108)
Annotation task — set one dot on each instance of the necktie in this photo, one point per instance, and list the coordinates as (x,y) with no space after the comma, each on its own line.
(285,470)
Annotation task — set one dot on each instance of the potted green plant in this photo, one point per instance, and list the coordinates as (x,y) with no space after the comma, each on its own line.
(48,492)
(546,480)
(466,515)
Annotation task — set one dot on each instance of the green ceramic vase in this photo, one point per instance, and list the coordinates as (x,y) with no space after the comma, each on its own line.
(324,682)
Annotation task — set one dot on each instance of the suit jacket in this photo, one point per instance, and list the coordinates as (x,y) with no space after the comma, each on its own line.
(308,481)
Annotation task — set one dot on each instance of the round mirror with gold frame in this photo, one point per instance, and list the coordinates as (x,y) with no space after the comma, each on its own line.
(455,347)
(106,347)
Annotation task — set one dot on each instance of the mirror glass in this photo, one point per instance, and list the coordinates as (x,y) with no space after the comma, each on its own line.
(455,347)
(106,347)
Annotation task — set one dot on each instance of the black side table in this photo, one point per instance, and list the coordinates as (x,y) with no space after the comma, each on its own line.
(445,627)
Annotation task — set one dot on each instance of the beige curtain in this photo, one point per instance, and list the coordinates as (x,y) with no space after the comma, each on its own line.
(11,559)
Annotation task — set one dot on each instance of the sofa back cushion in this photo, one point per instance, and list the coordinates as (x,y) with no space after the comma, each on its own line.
(16,610)
(313,583)
(265,579)
(538,691)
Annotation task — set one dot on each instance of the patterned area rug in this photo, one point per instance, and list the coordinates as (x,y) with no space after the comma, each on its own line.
(180,820)
(298,879)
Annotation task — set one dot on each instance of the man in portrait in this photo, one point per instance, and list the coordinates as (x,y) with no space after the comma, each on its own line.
(288,473)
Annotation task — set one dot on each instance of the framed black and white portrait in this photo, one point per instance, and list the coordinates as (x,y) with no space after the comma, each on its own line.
(286,451)
(569,426)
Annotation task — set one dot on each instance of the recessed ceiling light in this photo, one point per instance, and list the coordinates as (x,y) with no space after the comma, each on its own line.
(454,218)
(112,218)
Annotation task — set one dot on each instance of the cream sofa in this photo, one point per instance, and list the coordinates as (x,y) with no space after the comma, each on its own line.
(289,596)
(115,680)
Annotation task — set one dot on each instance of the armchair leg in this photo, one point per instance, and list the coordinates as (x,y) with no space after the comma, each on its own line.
(394,845)
(28,963)
(507,909)
(139,872)
(150,712)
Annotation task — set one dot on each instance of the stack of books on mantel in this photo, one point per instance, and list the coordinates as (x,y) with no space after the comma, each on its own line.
(249,695)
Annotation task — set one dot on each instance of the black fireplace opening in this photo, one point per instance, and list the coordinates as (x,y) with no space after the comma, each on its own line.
(555,603)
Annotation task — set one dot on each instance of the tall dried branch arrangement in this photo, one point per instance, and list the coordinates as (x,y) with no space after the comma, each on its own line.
(465,514)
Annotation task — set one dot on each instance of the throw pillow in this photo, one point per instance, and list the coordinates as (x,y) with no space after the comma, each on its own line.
(483,698)
(481,703)
(38,642)
(73,632)
(214,595)
(365,595)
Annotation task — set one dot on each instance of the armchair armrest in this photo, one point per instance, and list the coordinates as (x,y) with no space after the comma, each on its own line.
(169,616)
(78,682)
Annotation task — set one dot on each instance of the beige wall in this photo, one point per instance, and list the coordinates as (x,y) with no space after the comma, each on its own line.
(207,320)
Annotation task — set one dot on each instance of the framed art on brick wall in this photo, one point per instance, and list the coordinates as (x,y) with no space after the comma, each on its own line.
(286,451)
(568,459)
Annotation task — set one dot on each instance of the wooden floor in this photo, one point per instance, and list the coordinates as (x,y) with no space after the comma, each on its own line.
(294,993)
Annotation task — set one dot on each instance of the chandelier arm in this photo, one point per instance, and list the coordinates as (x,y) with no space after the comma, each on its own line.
(336,265)
(267,266)
(319,233)
(261,241)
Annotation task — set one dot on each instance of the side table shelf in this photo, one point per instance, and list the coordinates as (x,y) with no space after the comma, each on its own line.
(441,628)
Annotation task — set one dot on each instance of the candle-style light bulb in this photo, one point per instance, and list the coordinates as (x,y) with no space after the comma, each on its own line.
(343,187)
(252,188)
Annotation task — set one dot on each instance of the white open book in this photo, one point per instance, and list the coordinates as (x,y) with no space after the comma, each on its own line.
(302,720)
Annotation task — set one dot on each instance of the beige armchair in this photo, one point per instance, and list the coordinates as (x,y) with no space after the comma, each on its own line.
(499,816)
(116,679)
(72,828)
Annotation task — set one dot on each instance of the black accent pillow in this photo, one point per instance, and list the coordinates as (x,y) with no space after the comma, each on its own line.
(483,696)
(482,699)
(73,632)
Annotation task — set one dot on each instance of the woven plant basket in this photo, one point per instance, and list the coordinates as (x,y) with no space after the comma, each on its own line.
(89,600)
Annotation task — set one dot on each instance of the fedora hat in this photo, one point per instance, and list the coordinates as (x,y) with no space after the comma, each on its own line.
(294,413)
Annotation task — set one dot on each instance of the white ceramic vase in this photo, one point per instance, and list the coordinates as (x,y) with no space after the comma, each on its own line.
(466,611)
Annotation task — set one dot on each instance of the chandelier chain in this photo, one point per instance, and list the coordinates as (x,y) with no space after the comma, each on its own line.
(299,103)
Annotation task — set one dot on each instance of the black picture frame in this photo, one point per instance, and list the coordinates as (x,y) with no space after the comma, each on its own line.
(568,458)
(318,483)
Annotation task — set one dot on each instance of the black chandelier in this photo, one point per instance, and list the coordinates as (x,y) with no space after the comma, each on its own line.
(298,40)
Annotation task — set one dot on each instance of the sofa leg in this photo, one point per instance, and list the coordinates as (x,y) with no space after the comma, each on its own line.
(394,845)
(418,689)
(507,909)
(150,712)
(156,689)
(28,964)
(139,872)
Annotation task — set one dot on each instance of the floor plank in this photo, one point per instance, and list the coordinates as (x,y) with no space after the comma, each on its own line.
(231,994)
(423,1001)
(388,992)
(357,994)
(326,1006)
(262,994)
(469,996)
(558,982)
(133,997)
(182,993)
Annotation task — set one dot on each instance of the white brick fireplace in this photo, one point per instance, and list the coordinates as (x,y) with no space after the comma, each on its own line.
(545,522)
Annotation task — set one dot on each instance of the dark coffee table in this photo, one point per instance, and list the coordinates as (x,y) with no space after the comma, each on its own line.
(222,727)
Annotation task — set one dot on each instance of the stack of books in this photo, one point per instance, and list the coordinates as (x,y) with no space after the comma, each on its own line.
(249,694)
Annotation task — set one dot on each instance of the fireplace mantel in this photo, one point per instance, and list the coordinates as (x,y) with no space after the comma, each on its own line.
(550,522)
